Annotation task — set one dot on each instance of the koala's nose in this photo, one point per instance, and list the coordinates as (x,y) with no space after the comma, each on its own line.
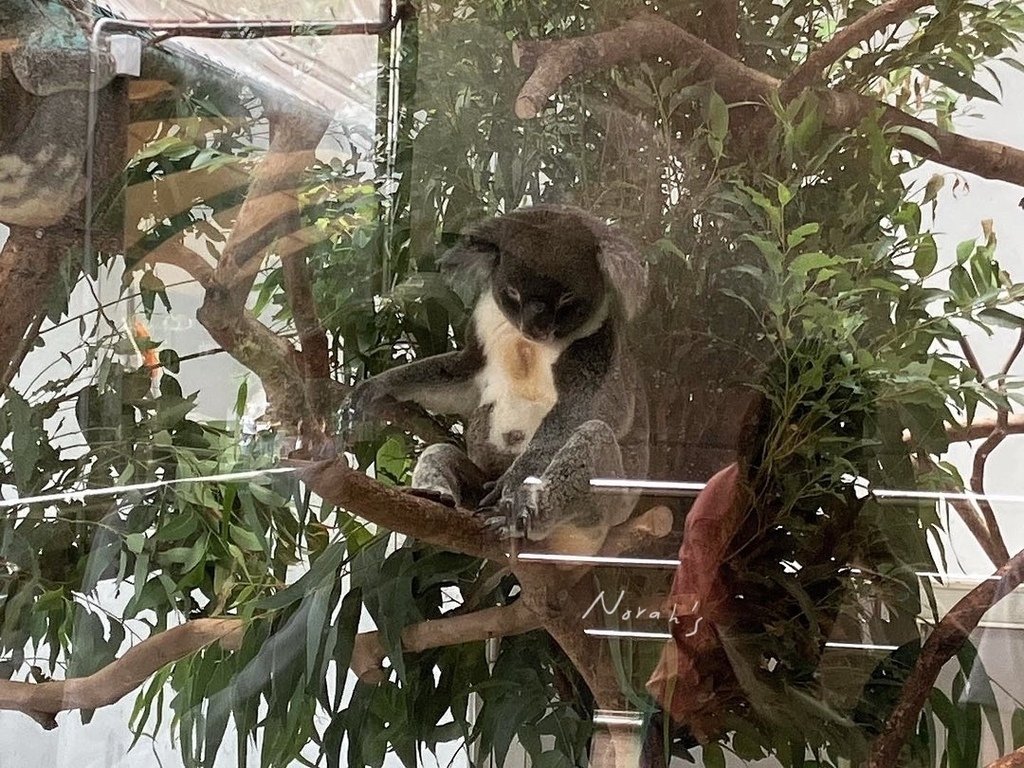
(536,320)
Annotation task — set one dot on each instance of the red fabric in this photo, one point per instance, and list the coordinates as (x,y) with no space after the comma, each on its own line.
(684,680)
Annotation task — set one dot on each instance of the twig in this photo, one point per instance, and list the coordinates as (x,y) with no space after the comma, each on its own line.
(368,653)
(1011,358)
(859,30)
(995,437)
(42,701)
(942,644)
(647,36)
(981,455)
(972,359)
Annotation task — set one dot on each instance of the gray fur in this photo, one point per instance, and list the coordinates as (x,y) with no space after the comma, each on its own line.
(597,425)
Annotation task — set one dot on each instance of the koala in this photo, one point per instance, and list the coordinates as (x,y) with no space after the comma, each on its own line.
(544,380)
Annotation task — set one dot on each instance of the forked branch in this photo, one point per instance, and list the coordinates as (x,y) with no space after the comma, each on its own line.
(649,37)
(859,30)
(270,213)
(942,644)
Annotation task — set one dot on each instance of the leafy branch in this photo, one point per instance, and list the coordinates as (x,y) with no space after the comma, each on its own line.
(647,37)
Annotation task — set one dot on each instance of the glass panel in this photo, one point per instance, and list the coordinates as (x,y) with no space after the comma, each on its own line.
(512,383)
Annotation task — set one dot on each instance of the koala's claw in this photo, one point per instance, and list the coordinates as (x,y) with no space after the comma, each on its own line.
(492,498)
(500,520)
(503,528)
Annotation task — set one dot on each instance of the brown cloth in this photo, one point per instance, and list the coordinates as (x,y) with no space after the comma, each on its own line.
(684,680)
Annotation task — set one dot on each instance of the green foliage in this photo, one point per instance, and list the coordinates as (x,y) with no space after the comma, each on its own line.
(799,270)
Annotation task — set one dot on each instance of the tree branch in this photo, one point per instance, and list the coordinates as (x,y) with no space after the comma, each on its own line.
(979,510)
(458,530)
(24,347)
(42,701)
(498,621)
(972,360)
(981,455)
(979,428)
(636,534)
(859,30)
(29,265)
(1012,357)
(271,211)
(313,355)
(721,23)
(942,644)
(978,524)
(647,37)
(175,253)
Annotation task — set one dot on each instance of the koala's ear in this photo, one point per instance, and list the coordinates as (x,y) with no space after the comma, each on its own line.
(624,269)
(473,259)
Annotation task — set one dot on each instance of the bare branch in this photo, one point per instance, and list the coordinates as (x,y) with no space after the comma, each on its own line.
(996,436)
(497,621)
(861,29)
(981,508)
(645,36)
(313,355)
(649,37)
(942,644)
(978,156)
(981,455)
(980,428)
(1012,357)
(458,530)
(42,701)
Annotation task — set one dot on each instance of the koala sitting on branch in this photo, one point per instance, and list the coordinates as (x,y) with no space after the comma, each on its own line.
(550,396)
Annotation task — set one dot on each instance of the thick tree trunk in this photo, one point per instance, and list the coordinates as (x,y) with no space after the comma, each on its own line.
(28,270)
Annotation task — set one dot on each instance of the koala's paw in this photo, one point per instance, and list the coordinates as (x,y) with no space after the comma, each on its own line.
(517,513)
(439,495)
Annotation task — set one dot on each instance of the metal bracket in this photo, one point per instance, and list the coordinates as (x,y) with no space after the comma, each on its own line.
(126,51)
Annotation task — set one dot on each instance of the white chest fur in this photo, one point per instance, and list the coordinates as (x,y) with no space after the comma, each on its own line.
(517,380)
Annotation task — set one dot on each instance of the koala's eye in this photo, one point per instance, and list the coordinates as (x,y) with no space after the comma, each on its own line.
(512,294)
(565,300)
